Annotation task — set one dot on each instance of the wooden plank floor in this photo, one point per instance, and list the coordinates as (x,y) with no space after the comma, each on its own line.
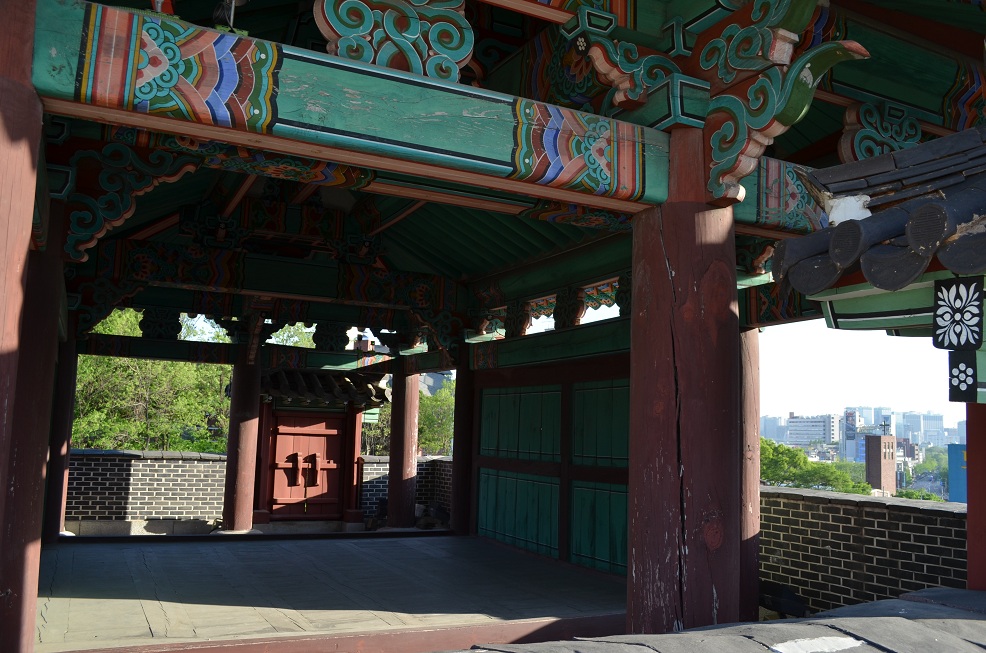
(147,594)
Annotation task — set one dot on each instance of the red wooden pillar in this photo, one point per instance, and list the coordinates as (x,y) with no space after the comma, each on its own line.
(60,443)
(241,447)
(975,415)
(20,139)
(750,475)
(403,451)
(24,475)
(463,441)
(684,475)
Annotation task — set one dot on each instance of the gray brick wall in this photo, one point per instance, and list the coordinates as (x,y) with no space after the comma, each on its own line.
(841,549)
(434,482)
(145,485)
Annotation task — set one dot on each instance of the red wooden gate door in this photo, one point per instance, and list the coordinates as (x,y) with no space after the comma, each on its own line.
(306,467)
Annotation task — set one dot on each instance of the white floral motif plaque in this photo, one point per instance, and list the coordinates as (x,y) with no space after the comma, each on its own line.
(958,317)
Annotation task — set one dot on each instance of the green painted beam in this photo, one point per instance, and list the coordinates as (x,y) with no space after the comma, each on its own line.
(89,62)
(593,262)
(599,338)
(860,306)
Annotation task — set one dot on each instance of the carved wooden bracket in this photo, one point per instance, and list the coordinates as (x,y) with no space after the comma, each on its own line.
(871,130)
(122,174)
(425,37)
(745,120)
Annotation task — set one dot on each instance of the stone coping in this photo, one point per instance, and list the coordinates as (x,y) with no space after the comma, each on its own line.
(859,500)
(385,459)
(149,455)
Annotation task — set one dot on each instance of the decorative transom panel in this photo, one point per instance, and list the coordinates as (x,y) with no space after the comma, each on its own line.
(959,314)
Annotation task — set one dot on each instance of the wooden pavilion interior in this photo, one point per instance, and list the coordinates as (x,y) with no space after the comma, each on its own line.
(444,171)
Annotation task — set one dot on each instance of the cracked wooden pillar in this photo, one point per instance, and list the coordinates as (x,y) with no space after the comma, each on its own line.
(975,415)
(20,140)
(60,444)
(684,475)
(241,446)
(24,467)
(463,442)
(750,475)
(403,450)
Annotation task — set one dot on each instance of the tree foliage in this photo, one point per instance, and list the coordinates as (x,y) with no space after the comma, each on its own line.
(376,436)
(922,495)
(789,467)
(436,419)
(129,403)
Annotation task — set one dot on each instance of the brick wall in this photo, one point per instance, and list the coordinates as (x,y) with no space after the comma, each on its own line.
(434,484)
(145,485)
(150,485)
(841,549)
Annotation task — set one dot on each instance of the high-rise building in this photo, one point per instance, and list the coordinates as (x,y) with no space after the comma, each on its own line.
(849,444)
(803,431)
(774,428)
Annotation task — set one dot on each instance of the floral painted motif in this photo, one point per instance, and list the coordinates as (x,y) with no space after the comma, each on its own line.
(959,314)
(577,151)
(178,70)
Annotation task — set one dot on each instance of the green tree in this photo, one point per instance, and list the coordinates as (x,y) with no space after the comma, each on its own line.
(436,419)
(129,403)
(856,471)
(789,467)
(376,435)
(294,335)
(923,495)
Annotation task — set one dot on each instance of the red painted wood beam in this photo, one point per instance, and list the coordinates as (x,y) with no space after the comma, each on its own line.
(241,458)
(975,415)
(23,469)
(684,449)
(749,607)
(60,443)
(463,441)
(20,141)
(403,451)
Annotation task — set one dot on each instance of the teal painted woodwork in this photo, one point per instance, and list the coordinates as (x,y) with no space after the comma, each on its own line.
(521,423)
(520,510)
(118,60)
(599,526)
(605,337)
(600,423)
(861,306)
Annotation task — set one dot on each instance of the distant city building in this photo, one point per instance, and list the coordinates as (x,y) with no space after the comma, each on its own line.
(849,444)
(803,431)
(961,429)
(883,414)
(881,463)
(774,428)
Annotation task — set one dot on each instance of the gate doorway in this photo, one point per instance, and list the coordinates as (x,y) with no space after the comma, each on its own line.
(312,463)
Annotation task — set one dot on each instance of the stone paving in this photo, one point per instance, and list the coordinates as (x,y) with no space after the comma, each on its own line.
(138,593)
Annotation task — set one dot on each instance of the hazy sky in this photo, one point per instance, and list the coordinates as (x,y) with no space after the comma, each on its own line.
(810,369)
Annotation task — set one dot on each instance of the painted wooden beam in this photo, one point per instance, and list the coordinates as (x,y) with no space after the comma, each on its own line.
(291,100)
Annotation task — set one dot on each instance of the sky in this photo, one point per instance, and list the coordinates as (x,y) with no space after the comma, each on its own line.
(812,370)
